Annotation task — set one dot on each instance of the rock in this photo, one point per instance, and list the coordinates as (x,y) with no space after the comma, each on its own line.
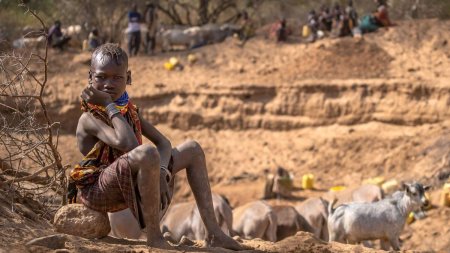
(76,219)
(51,241)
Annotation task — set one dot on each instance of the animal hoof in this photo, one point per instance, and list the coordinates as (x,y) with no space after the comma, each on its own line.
(237,238)
(186,241)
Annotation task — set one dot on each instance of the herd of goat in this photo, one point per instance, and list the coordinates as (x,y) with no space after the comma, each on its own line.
(351,216)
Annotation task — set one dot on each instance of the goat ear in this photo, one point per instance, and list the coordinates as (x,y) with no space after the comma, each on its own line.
(427,187)
(405,187)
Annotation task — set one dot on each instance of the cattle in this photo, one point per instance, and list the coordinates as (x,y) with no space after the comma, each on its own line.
(289,222)
(315,213)
(33,43)
(187,38)
(184,219)
(364,194)
(255,220)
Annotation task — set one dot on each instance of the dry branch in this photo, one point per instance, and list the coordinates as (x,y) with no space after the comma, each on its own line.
(29,138)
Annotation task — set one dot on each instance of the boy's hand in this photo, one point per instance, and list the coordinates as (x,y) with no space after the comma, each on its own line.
(93,96)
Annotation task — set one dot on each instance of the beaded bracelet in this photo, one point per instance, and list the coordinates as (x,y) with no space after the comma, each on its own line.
(112,110)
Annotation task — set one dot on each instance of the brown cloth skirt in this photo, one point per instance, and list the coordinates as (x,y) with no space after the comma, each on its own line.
(115,190)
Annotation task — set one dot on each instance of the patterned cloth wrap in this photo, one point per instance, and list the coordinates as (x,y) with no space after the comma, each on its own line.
(102,155)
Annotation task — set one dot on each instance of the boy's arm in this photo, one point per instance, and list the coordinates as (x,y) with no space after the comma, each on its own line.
(121,136)
(161,142)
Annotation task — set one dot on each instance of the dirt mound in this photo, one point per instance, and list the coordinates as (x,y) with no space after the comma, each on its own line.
(301,242)
(342,59)
(21,217)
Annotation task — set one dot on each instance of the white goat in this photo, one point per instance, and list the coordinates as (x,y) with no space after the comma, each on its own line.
(384,220)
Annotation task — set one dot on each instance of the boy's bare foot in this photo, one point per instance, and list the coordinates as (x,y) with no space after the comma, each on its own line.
(159,243)
(223,241)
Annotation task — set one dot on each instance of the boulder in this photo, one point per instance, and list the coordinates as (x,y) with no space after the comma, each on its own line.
(77,219)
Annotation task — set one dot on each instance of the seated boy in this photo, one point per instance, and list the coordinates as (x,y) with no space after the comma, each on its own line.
(120,172)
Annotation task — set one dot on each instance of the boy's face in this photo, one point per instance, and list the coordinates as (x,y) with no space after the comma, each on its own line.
(107,76)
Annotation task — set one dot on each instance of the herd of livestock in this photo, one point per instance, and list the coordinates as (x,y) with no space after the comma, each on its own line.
(357,215)
(167,38)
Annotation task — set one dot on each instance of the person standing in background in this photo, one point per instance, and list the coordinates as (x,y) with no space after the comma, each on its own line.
(56,38)
(382,14)
(93,40)
(134,30)
(351,14)
(151,20)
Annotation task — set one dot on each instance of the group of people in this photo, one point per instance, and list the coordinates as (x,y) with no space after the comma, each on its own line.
(341,21)
(58,39)
(150,18)
(133,31)
(335,21)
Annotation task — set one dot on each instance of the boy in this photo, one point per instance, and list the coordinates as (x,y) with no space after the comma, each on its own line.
(118,172)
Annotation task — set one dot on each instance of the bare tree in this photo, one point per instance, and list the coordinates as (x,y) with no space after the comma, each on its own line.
(108,16)
(29,159)
(198,12)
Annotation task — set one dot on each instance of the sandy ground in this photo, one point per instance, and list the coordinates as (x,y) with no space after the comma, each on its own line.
(342,109)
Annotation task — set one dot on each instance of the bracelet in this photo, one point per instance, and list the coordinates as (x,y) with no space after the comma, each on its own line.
(112,110)
(168,174)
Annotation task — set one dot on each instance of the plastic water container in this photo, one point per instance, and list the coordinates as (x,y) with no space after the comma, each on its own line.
(337,188)
(390,186)
(445,195)
(174,61)
(169,66)
(306,31)
(375,180)
(410,219)
(85,45)
(192,58)
(308,181)
(430,205)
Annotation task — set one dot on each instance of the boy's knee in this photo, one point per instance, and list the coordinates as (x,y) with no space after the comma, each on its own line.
(146,154)
(195,148)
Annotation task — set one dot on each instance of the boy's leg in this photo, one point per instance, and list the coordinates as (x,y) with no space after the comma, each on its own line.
(144,163)
(190,155)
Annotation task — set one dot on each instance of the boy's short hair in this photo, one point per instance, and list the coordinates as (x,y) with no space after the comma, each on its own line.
(110,51)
